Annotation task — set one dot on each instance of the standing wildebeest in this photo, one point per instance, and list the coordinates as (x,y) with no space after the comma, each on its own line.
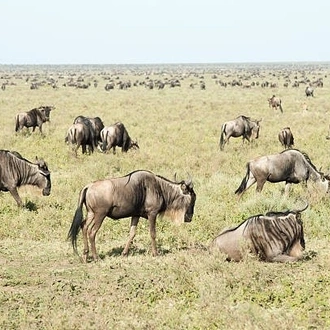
(15,171)
(33,118)
(241,126)
(273,237)
(291,166)
(138,194)
(285,136)
(309,91)
(80,135)
(275,102)
(116,135)
(94,124)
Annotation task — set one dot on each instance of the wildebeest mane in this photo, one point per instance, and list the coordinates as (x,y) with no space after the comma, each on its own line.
(228,230)
(278,213)
(157,175)
(305,156)
(268,214)
(244,117)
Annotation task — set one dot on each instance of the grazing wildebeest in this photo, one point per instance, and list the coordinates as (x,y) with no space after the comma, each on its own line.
(16,171)
(291,166)
(80,135)
(275,102)
(241,126)
(109,86)
(138,194)
(33,118)
(94,124)
(116,135)
(273,237)
(309,91)
(285,136)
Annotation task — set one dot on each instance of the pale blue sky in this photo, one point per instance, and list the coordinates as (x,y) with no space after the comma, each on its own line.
(163,31)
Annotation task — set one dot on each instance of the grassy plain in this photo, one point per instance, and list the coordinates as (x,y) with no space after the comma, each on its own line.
(44,285)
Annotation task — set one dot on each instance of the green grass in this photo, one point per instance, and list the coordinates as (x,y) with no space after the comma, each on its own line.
(45,286)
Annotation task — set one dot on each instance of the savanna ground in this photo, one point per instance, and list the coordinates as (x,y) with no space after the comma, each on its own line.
(43,283)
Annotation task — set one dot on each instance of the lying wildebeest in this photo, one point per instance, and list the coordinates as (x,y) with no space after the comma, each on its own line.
(275,102)
(273,237)
(15,171)
(309,91)
(285,136)
(116,135)
(241,126)
(80,135)
(33,118)
(291,166)
(94,124)
(138,194)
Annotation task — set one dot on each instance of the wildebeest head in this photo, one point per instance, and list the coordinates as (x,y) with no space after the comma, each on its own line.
(45,110)
(45,184)
(325,178)
(255,128)
(187,189)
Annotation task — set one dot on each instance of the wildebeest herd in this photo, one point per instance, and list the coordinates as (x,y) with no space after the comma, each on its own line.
(275,236)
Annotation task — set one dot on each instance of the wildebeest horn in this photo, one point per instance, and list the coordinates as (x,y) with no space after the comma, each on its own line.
(189,181)
(299,211)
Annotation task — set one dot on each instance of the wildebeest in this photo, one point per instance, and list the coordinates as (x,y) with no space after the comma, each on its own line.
(290,166)
(285,137)
(16,171)
(138,194)
(273,237)
(80,135)
(94,124)
(275,102)
(109,86)
(309,91)
(241,126)
(33,118)
(116,135)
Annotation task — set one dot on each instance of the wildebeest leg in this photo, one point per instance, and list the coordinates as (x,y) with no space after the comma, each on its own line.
(152,227)
(89,229)
(247,182)
(260,185)
(84,149)
(251,181)
(92,231)
(84,227)
(287,188)
(132,232)
(18,200)
(284,258)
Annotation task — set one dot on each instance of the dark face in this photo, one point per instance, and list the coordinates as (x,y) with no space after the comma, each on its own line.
(190,211)
(46,190)
(255,131)
(46,112)
(45,181)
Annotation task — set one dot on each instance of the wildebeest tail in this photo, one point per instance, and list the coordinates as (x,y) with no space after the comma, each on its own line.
(223,128)
(242,186)
(105,139)
(77,219)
